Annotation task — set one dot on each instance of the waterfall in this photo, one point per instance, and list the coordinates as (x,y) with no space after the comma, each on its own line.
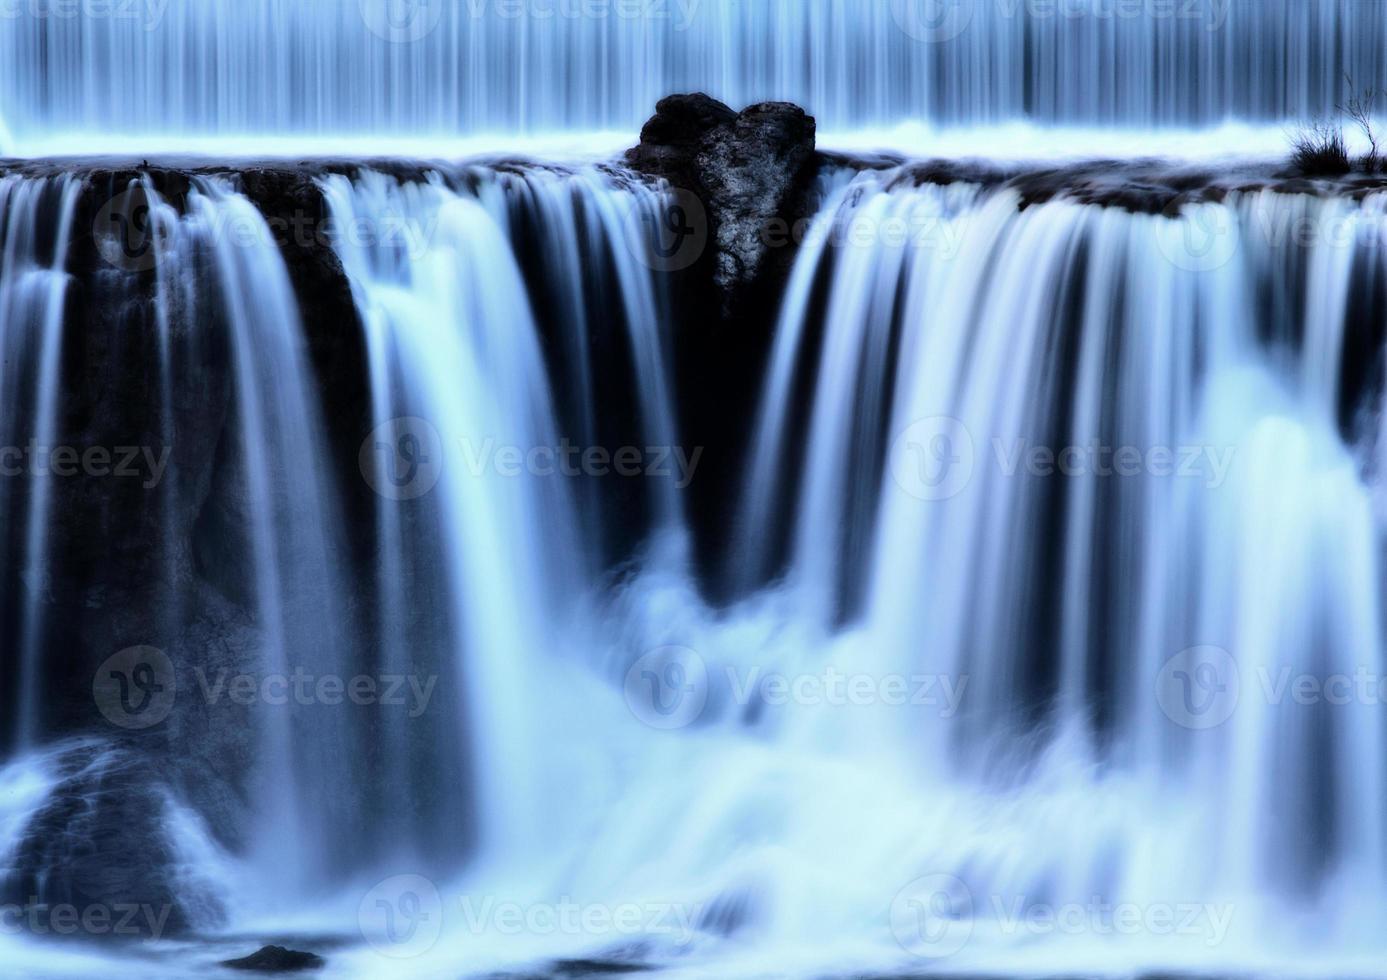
(33,290)
(177,69)
(1074,620)
(1036,578)
(1101,485)
(1217,513)
(221,285)
(1074,596)
(467,437)
(293,522)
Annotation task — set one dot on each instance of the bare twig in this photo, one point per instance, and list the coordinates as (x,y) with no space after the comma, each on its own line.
(1361,108)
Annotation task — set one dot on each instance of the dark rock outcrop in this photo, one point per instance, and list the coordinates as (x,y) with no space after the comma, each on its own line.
(742,184)
(751,172)
(277,959)
(97,860)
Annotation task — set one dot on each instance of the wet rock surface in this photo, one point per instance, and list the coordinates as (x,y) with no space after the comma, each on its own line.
(96,861)
(750,172)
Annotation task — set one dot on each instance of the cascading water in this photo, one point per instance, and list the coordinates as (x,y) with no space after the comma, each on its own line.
(459,387)
(217,268)
(1072,599)
(908,531)
(158,69)
(1214,514)
(1037,627)
(33,288)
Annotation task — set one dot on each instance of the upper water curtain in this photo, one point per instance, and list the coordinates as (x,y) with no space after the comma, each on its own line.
(180,69)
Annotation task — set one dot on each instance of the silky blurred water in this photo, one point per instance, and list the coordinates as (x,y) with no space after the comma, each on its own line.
(168,70)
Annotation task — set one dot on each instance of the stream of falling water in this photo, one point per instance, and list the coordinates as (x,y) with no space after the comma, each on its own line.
(1075,671)
(1076,500)
(193,69)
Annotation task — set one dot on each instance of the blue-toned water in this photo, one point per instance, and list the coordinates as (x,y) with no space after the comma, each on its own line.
(1048,629)
(173,70)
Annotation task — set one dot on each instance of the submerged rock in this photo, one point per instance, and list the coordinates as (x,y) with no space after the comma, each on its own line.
(100,858)
(277,959)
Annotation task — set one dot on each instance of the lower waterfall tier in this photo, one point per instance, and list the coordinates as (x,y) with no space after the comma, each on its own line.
(923,569)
